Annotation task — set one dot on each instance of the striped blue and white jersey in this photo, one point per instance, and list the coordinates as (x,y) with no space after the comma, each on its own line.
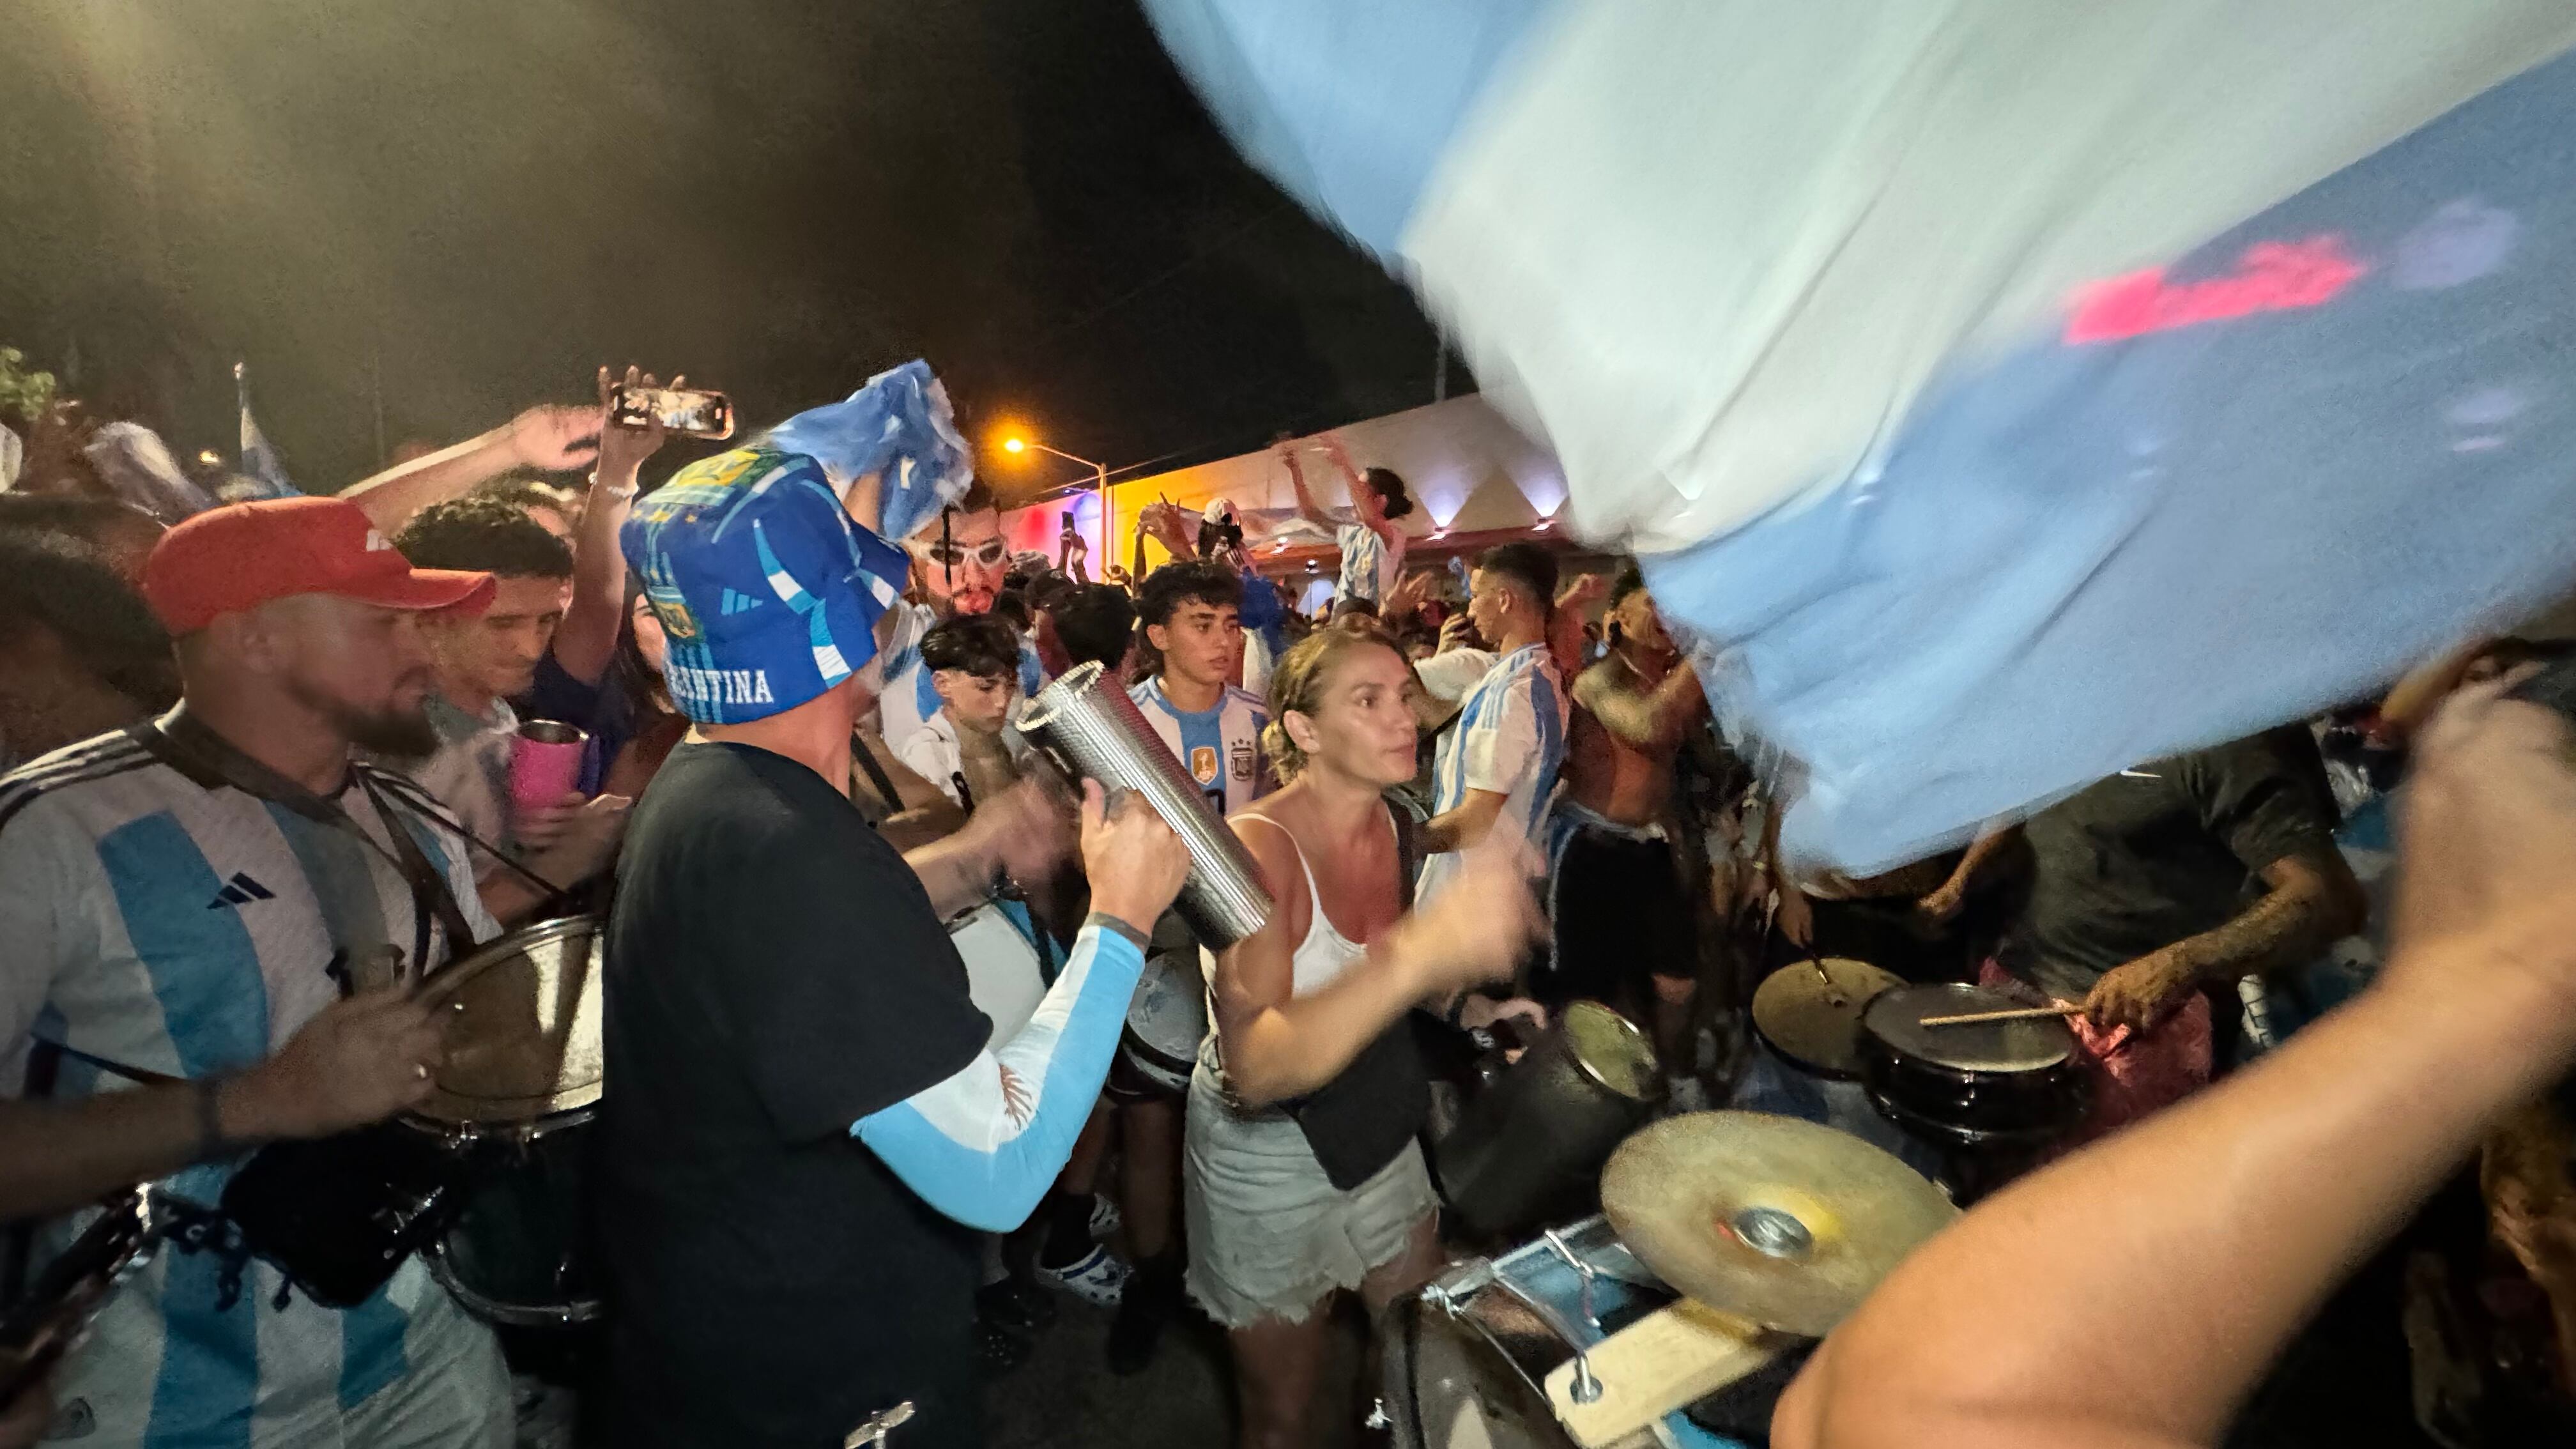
(909,699)
(1219,747)
(1369,567)
(1509,738)
(179,927)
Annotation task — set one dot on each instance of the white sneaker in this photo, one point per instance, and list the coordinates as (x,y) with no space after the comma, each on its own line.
(1095,1278)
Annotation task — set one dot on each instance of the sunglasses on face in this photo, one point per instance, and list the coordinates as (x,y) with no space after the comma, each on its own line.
(988,553)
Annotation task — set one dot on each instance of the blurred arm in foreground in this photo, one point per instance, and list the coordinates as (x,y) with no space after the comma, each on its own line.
(2174,1261)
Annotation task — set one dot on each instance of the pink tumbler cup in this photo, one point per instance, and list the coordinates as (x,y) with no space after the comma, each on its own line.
(545,763)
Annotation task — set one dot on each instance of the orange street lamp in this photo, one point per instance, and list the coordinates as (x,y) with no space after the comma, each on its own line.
(1099,479)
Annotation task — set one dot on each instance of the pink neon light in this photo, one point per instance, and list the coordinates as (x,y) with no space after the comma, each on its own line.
(2271,277)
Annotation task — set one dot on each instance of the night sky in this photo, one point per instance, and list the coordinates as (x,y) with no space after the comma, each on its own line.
(466,206)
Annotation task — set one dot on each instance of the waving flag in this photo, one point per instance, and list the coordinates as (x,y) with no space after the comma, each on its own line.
(2001,394)
(258,460)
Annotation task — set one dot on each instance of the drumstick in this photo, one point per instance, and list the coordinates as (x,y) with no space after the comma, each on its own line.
(1833,991)
(2026,1013)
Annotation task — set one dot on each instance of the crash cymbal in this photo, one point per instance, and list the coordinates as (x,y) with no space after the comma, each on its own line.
(1780,1221)
(1810,1011)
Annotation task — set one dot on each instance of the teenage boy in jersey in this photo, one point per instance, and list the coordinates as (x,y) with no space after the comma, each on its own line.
(1496,769)
(1192,615)
(811,1124)
(166,996)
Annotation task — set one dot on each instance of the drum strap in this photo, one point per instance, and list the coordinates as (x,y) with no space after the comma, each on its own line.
(186,745)
(866,760)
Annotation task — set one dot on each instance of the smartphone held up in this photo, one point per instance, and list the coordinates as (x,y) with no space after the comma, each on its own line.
(698,413)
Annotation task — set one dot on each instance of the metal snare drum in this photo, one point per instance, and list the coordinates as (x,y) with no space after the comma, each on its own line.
(1987,1084)
(522,1082)
(1466,1360)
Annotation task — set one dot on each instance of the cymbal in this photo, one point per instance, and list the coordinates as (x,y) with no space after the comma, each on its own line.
(1770,1218)
(1810,1011)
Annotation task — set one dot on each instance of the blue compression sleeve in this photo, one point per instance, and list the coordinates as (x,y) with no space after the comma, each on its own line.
(982,1146)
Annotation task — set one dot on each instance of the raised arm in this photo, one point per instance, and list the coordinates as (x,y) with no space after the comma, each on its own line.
(549,438)
(586,640)
(982,1145)
(1277,1044)
(1636,715)
(1307,508)
(2174,1260)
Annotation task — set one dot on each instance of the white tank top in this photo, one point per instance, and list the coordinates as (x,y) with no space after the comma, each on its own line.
(1325,952)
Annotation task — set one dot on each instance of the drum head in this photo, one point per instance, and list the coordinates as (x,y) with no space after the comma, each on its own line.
(1451,1387)
(1896,1018)
(1810,1011)
(524,1038)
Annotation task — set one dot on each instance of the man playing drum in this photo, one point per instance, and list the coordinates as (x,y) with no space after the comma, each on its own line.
(779,982)
(176,905)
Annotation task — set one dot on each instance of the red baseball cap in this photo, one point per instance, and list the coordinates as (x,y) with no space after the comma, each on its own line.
(245,554)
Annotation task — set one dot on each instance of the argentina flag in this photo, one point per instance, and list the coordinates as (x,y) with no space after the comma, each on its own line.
(258,460)
(1998,394)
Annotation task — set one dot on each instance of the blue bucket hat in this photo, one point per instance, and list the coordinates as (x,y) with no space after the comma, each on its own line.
(768,592)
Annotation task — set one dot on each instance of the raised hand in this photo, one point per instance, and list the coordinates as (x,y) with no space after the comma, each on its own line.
(1477,927)
(1135,862)
(555,438)
(623,447)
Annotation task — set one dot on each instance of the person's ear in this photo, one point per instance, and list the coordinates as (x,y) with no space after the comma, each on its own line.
(1159,636)
(1301,731)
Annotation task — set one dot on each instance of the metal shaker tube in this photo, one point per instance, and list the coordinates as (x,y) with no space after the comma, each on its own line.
(1095,730)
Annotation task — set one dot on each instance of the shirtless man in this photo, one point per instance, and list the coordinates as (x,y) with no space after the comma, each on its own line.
(1623,919)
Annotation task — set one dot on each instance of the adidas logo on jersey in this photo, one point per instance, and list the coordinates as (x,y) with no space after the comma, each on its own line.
(241,890)
(738,603)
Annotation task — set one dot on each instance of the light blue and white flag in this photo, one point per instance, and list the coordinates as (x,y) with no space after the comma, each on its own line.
(258,460)
(2001,394)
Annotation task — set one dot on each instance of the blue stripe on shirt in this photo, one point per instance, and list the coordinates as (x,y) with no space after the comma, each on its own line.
(204,967)
(208,1383)
(371,1346)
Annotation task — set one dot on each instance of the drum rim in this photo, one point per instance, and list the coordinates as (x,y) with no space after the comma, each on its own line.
(500,1310)
(441,984)
(1970,995)
(1625,1028)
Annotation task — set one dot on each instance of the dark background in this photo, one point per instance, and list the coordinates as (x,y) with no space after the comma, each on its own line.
(463,207)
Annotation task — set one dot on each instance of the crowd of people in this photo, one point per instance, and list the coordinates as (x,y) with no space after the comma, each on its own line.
(263,782)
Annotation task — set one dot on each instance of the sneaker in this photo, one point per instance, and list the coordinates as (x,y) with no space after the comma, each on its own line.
(997,1349)
(1095,1277)
(1105,1218)
(1023,1308)
(1151,1299)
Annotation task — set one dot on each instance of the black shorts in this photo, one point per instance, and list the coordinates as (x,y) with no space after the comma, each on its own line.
(1620,919)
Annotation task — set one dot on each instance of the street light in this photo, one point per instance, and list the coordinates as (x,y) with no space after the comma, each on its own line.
(1014,443)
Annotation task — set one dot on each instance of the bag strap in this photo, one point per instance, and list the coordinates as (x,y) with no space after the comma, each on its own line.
(183,743)
(1408,847)
(866,760)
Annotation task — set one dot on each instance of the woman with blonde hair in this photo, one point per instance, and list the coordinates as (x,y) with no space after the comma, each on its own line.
(1303,1176)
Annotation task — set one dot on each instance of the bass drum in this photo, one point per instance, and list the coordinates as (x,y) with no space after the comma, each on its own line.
(516,1097)
(1006,974)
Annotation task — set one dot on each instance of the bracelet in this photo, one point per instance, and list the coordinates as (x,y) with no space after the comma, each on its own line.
(210,1118)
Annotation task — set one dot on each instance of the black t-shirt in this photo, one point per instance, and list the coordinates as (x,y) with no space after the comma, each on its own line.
(774,973)
(2168,850)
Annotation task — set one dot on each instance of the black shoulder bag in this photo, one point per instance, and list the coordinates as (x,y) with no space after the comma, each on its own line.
(337,1215)
(1359,1121)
